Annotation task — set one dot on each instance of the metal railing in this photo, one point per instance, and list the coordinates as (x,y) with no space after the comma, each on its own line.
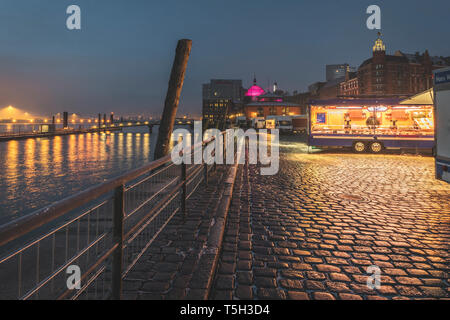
(103,231)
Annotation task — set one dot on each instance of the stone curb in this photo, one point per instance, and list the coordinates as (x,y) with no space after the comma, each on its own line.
(205,272)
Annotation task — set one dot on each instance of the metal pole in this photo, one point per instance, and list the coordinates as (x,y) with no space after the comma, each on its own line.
(184,189)
(205,166)
(118,239)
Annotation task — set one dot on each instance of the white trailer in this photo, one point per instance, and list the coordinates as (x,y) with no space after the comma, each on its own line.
(442,112)
(241,122)
(282,123)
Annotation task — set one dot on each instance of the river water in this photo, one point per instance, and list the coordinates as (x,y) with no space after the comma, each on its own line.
(37,172)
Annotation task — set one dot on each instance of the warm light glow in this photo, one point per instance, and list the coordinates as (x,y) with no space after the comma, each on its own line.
(11,112)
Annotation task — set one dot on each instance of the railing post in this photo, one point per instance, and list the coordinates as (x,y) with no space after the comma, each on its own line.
(184,189)
(118,239)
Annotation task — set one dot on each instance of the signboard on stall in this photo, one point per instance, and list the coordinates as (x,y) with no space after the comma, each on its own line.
(442,77)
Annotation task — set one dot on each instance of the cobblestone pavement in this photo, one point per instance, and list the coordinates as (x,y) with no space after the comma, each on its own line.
(175,265)
(311,231)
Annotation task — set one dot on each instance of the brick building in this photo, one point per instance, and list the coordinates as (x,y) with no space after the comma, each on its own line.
(392,75)
(349,87)
(271,104)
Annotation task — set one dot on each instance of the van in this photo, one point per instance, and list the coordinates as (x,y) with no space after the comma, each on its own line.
(283,123)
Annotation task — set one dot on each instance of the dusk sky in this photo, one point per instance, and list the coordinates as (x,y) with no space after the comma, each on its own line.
(121,59)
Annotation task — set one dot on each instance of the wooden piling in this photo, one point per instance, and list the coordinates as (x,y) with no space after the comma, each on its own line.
(173,97)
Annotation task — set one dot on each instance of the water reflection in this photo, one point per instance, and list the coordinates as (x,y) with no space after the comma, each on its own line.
(37,172)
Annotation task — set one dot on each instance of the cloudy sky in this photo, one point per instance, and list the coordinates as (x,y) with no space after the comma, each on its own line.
(121,59)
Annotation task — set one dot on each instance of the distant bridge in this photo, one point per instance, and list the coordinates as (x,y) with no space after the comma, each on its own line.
(116,126)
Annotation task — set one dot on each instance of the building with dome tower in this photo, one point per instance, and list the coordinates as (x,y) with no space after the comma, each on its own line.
(225,100)
(398,75)
(254,91)
(261,104)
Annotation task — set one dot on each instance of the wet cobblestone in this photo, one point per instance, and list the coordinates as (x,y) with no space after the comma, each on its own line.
(311,231)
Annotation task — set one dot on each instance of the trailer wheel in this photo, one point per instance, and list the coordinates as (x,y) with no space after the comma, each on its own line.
(376,147)
(359,147)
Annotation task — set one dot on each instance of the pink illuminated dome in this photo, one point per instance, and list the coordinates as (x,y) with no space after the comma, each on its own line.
(254,91)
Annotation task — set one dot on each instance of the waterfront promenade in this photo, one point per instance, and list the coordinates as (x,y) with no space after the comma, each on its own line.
(310,232)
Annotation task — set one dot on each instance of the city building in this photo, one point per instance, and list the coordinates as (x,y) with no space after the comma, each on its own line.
(350,86)
(336,75)
(336,71)
(263,104)
(254,91)
(398,75)
(301,99)
(220,98)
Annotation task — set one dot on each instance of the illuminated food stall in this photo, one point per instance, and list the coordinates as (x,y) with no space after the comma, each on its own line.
(371,125)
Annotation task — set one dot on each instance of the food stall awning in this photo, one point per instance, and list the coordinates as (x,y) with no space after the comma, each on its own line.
(422,98)
(341,102)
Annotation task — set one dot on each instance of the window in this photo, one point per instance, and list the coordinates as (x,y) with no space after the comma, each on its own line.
(260,112)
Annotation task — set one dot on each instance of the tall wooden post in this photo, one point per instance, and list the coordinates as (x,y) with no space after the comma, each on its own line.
(173,97)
